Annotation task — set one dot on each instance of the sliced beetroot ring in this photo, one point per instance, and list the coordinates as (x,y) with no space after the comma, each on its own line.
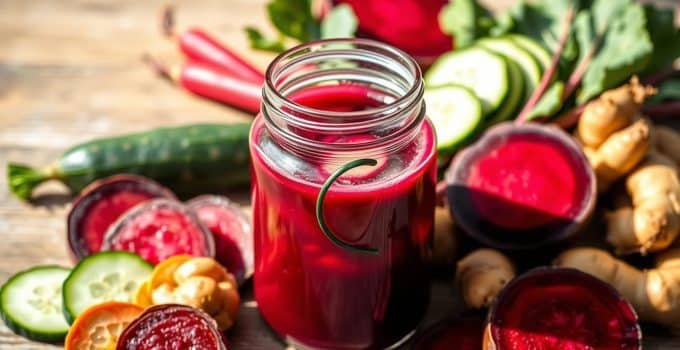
(459,333)
(159,229)
(232,232)
(561,308)
(100,204)
(521,187)
(169,327)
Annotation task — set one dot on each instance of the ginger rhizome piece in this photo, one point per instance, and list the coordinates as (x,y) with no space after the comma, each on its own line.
(481,274)
(652,221)
(613,138)
(654,293)
(620,144)
(198,282)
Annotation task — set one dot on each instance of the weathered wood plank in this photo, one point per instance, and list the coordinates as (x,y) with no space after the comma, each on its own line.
(70,71)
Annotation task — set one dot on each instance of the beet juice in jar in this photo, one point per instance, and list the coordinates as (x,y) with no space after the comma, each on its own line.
(344,170)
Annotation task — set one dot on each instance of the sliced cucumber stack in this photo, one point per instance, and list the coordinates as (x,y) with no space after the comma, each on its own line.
(531,71)
(31,303)
(515,98)
(540,54)
(483,72)
(105,276)
(456,114)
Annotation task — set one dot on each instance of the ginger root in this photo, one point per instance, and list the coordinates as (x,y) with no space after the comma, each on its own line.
(481,275)
(616,140)
(654,293)
(667,141)
(613,135)
(619,153)
(199,282)
(612,111)
(444,242)
(652,223)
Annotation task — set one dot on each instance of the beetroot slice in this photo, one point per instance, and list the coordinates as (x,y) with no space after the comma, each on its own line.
(560,308)
(232,232)
(159,229)
(521,186)
(102,203)
(172,326)
(462,334)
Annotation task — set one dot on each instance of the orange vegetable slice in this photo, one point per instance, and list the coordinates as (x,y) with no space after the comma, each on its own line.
(164,271)
(143,295)
(99,326)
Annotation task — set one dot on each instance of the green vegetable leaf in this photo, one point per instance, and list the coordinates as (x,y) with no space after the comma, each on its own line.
(550,103)
(294,19)
(669,90)
(626,48)
(260,42)
(466,20)
(542,21)
(340,22)
(665,38)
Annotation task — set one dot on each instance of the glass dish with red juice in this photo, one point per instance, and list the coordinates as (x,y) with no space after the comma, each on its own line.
(343,190)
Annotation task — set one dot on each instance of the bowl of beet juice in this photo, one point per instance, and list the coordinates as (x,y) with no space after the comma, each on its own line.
(339,251)
(521,186)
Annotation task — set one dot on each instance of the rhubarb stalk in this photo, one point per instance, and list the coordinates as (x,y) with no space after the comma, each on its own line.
(207,81)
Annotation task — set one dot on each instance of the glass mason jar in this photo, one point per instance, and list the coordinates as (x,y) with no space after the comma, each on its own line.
(343,187)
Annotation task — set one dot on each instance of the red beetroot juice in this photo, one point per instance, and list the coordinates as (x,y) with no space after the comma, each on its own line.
(311,291)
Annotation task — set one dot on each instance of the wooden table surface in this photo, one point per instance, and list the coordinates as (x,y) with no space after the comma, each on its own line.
(70,71)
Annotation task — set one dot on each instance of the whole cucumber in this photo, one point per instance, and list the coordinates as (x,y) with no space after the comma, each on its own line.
(188,159)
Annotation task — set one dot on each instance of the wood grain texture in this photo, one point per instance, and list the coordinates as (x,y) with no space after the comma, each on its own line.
(70,71)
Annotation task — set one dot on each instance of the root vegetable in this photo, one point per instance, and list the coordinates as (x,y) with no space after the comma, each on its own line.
(668,142)
(561,308)
(100,204)
(652,223)
(612,111)
(444,244)
(654,293)
(481,275)
(231,231)
(619,153)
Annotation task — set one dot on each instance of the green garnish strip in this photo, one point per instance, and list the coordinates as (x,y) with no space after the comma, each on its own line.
(319,205)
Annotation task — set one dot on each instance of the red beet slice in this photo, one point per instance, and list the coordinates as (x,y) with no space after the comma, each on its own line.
(170,327)
(102,203)
(461,334)
(159,229)
(521,186)
(560,308)
(232,232)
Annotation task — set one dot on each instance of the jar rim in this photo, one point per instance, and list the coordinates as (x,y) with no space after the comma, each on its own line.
(405,59)
(391,73)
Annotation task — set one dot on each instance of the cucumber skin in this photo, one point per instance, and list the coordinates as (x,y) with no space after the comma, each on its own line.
(19,329)
(70,315)
(188,159)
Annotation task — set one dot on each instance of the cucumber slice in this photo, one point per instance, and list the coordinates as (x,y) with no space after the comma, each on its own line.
(30,303)
(531,72)
(541,55)
(456,114)
(105,276)
(515,98)
(483,72)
